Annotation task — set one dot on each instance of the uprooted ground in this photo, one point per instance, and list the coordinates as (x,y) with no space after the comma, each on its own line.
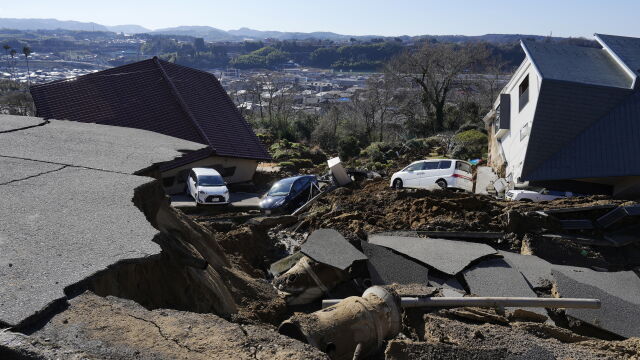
(371,207)
(108,327)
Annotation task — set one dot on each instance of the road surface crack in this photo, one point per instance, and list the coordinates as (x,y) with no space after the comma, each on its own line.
(66,165)
(35,175)
(25,128)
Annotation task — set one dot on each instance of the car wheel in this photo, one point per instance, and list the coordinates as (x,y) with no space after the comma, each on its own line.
(442,183)
(397,183)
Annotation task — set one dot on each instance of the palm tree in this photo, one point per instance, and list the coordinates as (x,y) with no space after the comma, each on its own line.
(27,51)
(13,53)
(6,48)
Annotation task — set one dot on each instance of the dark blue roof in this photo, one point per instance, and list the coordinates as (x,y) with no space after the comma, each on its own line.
(563,111)
(609,147)
(626,48)
(578,64)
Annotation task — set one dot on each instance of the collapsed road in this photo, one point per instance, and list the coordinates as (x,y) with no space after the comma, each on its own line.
(82,213)
(95,263)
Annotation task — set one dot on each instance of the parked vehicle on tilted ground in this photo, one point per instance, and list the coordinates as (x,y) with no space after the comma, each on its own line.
(207,186)
(535,196)
(289,194)
(446,173)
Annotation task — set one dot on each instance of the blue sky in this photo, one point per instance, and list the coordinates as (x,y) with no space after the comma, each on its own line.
(354,17)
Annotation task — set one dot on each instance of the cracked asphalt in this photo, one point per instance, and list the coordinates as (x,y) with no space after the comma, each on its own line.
(67,209)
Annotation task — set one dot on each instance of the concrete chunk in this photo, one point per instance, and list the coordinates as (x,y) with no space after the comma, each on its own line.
(495,277)
(536,270)
(447,256)
(619,293)
(386,267)
(328,247)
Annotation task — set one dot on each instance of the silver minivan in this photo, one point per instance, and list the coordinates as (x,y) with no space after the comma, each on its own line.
(446,173)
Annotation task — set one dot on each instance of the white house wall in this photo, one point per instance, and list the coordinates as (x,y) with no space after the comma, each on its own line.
(513,148)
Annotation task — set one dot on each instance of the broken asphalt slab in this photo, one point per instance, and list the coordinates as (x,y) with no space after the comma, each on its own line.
(63,220)
(327,246)
(536,270)
(447,256)
(618,292)
(61,228)
(386,267)
(94,146)
(495,277)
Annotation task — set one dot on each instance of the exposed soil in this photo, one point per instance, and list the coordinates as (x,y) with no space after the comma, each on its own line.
(112,328)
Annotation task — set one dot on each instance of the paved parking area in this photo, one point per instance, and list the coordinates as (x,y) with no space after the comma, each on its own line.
(238,200)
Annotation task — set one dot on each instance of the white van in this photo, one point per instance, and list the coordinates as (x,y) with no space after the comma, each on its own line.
(207,186)
(446,173)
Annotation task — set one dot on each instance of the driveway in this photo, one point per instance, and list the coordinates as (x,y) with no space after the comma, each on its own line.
(238,200)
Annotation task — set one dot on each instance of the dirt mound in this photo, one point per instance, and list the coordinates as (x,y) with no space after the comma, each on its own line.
(375,207)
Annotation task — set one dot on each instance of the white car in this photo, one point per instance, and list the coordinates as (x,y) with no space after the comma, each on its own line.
(446,173)
(207,186)
(535,196)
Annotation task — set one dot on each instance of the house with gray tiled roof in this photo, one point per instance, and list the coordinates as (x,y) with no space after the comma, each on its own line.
(569,118)
(165,98)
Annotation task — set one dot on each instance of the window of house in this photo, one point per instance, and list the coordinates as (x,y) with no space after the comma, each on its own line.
(523,91)
(524,131)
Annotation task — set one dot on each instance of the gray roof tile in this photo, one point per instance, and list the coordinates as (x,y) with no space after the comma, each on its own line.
(579,64)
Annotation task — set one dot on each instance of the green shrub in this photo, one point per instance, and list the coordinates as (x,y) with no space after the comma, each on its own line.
(373,152)
(348,147)
(470,144)
(317,155)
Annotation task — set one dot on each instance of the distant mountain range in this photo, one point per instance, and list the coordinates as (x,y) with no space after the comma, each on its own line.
(213,34)
(54,24)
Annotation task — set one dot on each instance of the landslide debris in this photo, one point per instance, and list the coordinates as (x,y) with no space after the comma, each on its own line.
(372,207)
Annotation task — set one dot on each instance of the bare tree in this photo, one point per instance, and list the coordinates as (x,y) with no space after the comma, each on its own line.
(437,69)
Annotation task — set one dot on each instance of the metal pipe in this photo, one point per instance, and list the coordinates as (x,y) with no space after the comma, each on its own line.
(414,302)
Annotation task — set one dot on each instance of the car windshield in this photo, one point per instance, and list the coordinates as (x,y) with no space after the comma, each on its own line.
(281,188)
(210,180)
